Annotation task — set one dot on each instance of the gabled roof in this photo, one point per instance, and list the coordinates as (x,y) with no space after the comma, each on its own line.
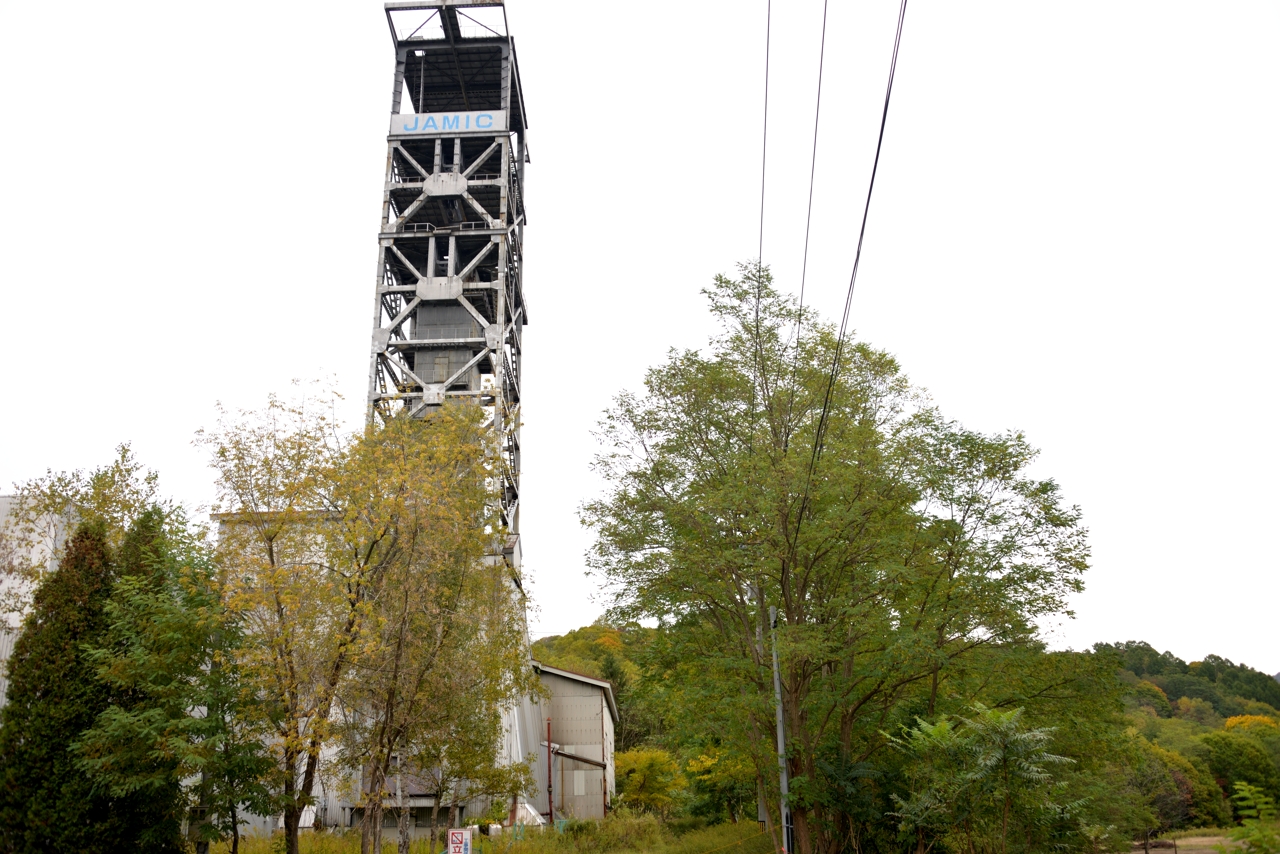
(581,677)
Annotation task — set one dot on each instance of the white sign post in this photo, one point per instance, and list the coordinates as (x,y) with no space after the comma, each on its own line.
(459,841)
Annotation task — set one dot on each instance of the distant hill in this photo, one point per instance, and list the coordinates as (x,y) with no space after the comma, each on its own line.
(597,650)
(1227,686)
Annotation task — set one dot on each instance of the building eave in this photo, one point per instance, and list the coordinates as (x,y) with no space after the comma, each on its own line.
(539,667)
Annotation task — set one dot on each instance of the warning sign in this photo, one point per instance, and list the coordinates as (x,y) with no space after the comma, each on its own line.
(459,842)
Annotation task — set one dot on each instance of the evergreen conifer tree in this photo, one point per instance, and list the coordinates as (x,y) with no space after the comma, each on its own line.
(47,803)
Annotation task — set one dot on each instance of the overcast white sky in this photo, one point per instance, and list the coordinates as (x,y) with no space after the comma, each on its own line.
(1074,234)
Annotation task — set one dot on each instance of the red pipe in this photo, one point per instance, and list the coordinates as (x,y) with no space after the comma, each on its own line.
(550,800)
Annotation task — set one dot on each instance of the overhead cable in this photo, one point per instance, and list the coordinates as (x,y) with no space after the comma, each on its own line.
(813,164)
(824,416)
(857,258)
(764,143)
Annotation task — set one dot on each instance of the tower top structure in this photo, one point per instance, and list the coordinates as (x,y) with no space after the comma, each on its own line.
(470,57)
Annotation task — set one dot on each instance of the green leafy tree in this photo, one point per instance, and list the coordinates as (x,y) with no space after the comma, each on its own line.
(300,605)
(46,509)
(1148,694)
(177,736)
(444,629)
(1195,799)
(1238,680)
(47,803)
(1142,659)
(1195,709)
(894,550)
(1195,688)
(722,783)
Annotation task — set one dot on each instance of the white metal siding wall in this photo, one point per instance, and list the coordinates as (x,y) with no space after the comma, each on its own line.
(609,781)
(7,637)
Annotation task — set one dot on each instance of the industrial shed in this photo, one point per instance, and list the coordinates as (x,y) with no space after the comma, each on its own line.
(575,765)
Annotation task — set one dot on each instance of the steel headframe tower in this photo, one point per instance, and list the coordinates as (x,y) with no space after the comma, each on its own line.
(449,308)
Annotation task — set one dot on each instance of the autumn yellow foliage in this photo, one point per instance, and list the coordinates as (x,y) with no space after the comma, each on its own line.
(1249,722)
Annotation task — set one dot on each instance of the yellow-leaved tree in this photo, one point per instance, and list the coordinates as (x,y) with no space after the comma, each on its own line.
(443,645)
(359,568)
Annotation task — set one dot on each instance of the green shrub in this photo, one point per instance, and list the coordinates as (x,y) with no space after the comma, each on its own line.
(648,779)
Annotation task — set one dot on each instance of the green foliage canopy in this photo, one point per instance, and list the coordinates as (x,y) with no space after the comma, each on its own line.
(901,547)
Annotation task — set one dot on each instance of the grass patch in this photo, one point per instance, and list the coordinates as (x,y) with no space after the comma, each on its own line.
(618,834)
(1193,832)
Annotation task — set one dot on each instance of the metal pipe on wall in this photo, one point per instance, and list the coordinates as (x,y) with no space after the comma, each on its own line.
(551,804)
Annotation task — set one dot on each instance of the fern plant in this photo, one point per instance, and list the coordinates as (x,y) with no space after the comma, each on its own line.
(1259,832)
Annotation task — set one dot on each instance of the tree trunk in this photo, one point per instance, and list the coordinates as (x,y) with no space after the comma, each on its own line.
(800,836)
(292,817)
(402,820)
(366,829)
(1004,826)
(235,830)
(372,825)
(435,815)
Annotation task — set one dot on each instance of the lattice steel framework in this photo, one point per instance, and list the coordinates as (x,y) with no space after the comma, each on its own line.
(449,309)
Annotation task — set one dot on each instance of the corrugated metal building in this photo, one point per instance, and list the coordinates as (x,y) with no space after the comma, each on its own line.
(575,765)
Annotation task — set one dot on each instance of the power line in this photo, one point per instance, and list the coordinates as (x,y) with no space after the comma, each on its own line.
(764,162)
(764,143)
(857,258)
(808,219)
(824,416)
(813,165)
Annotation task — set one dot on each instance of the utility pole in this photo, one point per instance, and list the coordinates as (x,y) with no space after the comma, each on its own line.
(785,812)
